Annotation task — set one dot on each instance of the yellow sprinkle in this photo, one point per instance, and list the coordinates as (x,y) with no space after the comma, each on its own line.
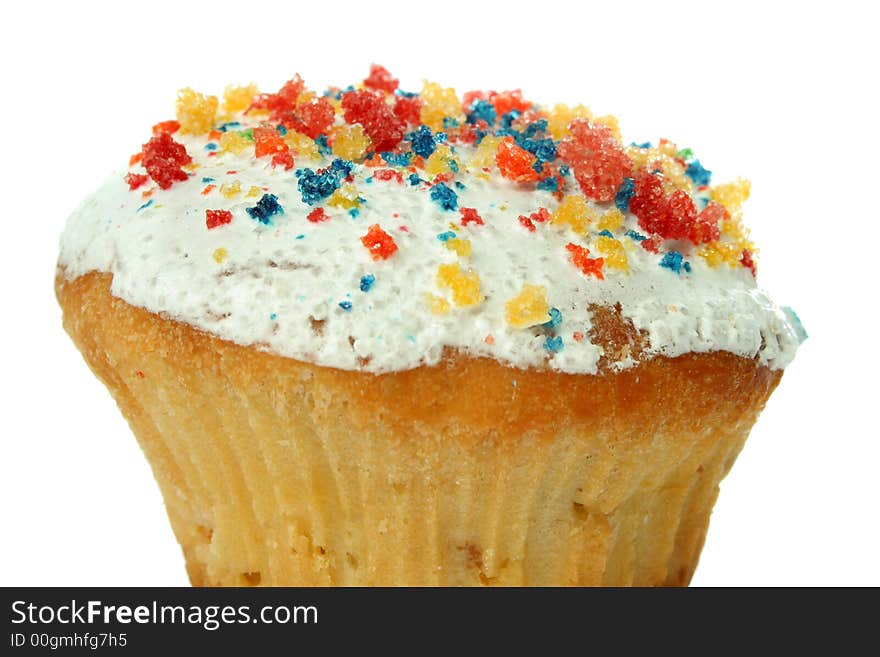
(439,103)
(234,142)
(192,166)
(561,117)
(461,247)
(611,219)
(464,285)
(350,142)
(230,190)
(612,249)
(437,305)
(302,145)
(732,195)
(346,197)
(238,99)
(611,122)
(484,156)
(254,191)
(528,308)
(220,255)
(195,112)
(440,161)
(715,253)
(574,213)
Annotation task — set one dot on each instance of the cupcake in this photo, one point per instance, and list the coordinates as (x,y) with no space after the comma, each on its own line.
(372,337)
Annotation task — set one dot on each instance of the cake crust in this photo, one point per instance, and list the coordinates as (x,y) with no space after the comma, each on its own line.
(278,471)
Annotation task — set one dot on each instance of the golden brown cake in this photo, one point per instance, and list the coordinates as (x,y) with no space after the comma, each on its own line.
(367,337)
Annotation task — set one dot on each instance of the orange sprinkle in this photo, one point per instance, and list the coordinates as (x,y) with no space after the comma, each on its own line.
(489,339)
(207,190)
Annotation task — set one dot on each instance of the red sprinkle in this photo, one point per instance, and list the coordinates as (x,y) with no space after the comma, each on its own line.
(748,262)
(214,218)
(317,216)
(135,180)
(514,162)
(577,336)
(163,159)
(207,190)
(542,215)
(380,78)
(384,128)
(166,126)
(379,243)
(580,258)
(470,216)
(707,227)
(596,158)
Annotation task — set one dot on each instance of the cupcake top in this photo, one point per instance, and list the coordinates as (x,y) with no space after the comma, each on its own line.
(370,228)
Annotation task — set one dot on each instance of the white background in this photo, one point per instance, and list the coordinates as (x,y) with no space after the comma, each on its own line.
(782,96)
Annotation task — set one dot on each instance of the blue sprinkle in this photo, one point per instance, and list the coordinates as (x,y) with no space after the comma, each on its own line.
(444,237)
(606,233)
(554,345)
(210,146)
(696,172)
(564,170)
(414,179)
(449,122)
(672,261)
(459,184)
(646,144)
(367,281)
(145,205)
(207,180)
(397,160)
(704,201)
(555,319)
(796,321)
(482,110)
(345,305)
(443,195)
(422,141)
(354,213)
(323,146)
(273,316)
(636,237)
(318,185)
(301,236)
(509,118)
(411,338)
(625,192)
(229,125)
(441,137)
(453,165)
(549,184)
(264,209)
(687,267)
(369,180)
(538,166)
(405,94)
(281,129)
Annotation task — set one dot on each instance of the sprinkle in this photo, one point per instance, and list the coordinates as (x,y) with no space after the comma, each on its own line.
(207,180)
(379,243)
(615,254)
(163,158)
(589,266)
(577,336)
(265,208)
(462,248)
(273,316)
(470,216)
(414,179)
(672,261)
(540,216)
(444,196)
(528,308)
(318,215)
(696,172)
(220,255)
(611,219)
(489,340)
(422,141)
(624,194)
(437,305)
(195,112)
(208,189)
(315,186)
(367,281)
(145,205)
(345,305)
(574,213)
(135,180)
(464,286)
(636,237)
(448,235)
(214,218)
(554,345)
(555,319)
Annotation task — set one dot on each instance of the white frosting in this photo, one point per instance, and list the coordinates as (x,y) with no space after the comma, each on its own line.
(278,279)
